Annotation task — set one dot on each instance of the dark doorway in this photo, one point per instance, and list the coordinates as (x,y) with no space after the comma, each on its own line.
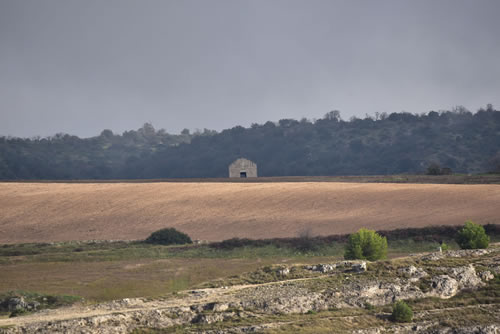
(243,174)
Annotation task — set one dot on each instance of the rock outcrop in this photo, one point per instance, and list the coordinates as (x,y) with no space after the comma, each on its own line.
(345,284)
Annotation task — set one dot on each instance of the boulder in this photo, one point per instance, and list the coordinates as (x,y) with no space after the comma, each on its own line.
(325,268)
(359,267)
(413,273)
(16,304)
(33,306)
(377,293)
(433,257)
(283,271)
(208,319)
(444,286)
(220,307)
(486,275)
(466,276)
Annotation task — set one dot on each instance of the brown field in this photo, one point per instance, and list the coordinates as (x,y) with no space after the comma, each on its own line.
(43,212)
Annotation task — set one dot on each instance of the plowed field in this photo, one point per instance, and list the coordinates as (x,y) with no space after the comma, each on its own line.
(42,212)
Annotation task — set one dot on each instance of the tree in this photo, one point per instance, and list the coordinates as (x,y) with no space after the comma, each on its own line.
(494,164)
(147,130)
(106,133)
(472,236)
(366,245)
(168,236)
(401,312)
(306,241)
(333,115)
(434,169)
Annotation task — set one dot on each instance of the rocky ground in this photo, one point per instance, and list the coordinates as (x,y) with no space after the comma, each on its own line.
(346,296)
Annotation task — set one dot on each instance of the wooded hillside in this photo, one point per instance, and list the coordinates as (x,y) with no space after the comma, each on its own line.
(460,140)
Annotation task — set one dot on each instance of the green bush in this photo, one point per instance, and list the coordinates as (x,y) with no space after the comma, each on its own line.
(366,245)
(401,312)
(472,236)
(168,236)
(444,246)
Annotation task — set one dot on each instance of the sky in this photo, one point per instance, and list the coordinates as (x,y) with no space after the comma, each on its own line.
(79,67)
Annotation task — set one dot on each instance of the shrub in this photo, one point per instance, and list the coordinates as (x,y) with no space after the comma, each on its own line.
(369,306)
(444,246)
(401,312)
(366,245)
(306,242)
(168,236)
(472,236)
(17,313)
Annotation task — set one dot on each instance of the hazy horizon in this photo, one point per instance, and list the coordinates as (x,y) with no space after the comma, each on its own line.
(79,67)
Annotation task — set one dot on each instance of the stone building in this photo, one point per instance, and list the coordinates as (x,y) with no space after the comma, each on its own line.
(243,168)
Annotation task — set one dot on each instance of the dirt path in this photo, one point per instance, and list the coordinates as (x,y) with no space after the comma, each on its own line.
(190,297)
(45,212)
(259,295)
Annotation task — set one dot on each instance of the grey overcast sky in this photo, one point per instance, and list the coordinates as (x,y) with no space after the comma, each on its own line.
(82,66)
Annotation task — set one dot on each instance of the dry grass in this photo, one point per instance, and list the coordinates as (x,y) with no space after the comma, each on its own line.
(41,212)
(109,280)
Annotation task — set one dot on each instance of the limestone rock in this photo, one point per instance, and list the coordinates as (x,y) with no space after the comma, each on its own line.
(413,273)
(466,276)
(217,307)
(283,271)
(325,268)
(378,293)
(208,319)
(359,267)
(486,275)
(16,304)
(444,286)
(468,252)
(457,253)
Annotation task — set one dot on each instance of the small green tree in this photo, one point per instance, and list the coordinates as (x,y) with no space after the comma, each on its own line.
(401,312)
(472,236)
(168,236)
(366,245)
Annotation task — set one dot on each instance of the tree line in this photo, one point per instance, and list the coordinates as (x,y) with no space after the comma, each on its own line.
(455,140)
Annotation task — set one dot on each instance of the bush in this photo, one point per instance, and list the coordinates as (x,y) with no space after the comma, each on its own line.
(369,306)
(306,242)
(472,236)
(366,245)
(168,236)
(401,312)
(444,246)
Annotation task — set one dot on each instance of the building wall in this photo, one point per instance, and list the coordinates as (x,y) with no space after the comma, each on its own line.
(243,165)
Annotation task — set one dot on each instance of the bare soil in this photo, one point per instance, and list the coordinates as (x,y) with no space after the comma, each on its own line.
(46,212)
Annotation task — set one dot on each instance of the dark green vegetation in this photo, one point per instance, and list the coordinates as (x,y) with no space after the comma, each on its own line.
(459,140)
(168,236)
(472,236)
(366,245)
(409,238)
(401,312)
